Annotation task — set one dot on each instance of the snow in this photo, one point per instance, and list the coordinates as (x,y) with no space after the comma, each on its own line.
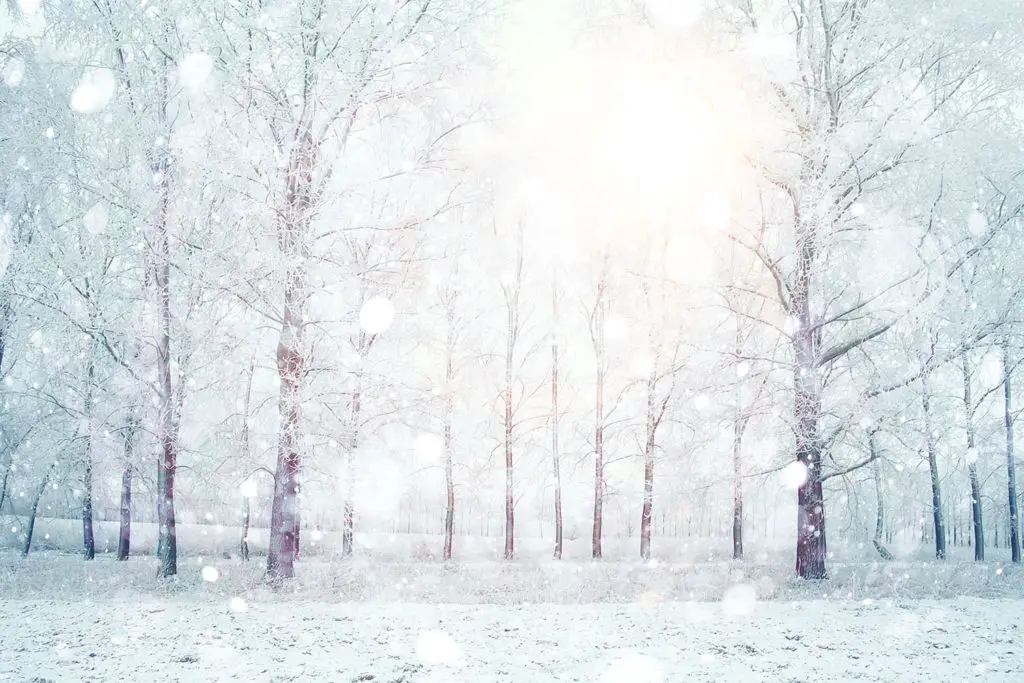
(95,219)
(13,72)
(211,635)
(194,70)
(376,315)
(382,617)
(977,223)
(29,7)
(794,475)
(429,447)
(94,91)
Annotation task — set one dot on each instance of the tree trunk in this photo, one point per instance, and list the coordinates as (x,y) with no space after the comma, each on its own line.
(972,467)
(876,466)
(739,425)
(355,411)
(598,333)
(510,523)
(1011,469)
(88,537)
(244,548)
(933,467)
(30,527)
(555,418)
(291,370)
(124,536)
(296,534)
(3,486)
(648,504)
(449,477)
(167,430)
(811,544)
(292,226)
(244,447)
(976,516)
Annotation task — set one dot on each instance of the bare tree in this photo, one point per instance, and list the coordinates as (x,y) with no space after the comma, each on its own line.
(1011,470)
(972,460)
(130,436)
(597,337)
(555,417)
(511,291)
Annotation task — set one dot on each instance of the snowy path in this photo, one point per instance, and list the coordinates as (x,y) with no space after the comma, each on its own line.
(190,640)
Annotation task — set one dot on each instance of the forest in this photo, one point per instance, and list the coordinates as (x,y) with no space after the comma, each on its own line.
(308,273)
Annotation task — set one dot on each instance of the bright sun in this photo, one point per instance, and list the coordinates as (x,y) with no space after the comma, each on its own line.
(622,131)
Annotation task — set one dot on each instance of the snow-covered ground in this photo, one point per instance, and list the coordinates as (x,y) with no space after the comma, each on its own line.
(202,638)
(63,619)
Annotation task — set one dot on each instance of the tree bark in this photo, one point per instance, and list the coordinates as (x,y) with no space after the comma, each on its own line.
(449,476)
(510,508)
(297,533)
(244,447)
(1011,469)
(876,466)
(31,526)
(933,467)
(167,430)
(972,466)
(739,426)
(598,333)
(124,536)
(649,446)
(355,411)
(244,546)
(88,537)
(511,293)
(811,543)
(292,227)
(555,417)
(291,370)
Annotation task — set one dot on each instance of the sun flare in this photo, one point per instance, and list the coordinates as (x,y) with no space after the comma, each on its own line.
(624,134)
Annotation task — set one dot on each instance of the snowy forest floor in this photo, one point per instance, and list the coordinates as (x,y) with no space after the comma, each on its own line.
(64,619)
(197,638)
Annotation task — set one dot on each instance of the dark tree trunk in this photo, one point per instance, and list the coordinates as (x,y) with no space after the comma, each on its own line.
(124,536)
(976,516)
(555,419)
(31,526)
(244,549)
(167,430)
(88,537)
(811,543)
(511,293)
(291,370)
(738,426)
(292,226)
(1011,469)
(972,467)
(879,539)
(653,420)
(647,510)
(3,486)
(933,467)
(297,534)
